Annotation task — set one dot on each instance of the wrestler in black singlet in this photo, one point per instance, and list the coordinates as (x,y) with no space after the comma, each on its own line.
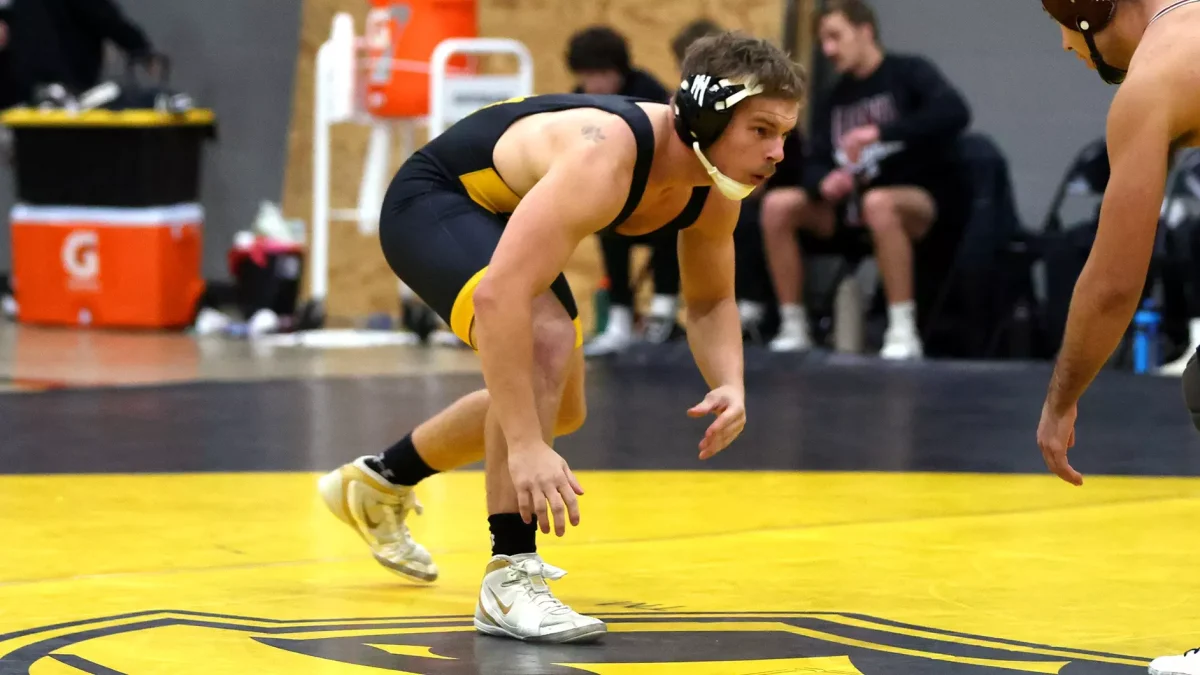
(445,210)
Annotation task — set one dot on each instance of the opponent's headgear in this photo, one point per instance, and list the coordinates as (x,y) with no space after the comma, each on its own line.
(703,108)
(1088,17)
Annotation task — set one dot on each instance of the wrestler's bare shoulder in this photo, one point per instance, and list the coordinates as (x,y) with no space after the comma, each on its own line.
(532,145)
(560,131)
(1165,73)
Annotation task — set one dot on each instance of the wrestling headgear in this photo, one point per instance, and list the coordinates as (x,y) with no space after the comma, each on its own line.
(703,108)
(1088,17)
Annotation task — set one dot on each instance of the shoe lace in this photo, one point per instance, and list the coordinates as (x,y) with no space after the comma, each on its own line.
(532,574)
(394,511)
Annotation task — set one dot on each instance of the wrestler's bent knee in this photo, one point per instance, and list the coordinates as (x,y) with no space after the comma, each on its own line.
(553,345)
(1191,389)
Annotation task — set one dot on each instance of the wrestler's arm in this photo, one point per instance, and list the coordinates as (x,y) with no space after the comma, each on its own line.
(706,269)
(1139,137)
(582,192)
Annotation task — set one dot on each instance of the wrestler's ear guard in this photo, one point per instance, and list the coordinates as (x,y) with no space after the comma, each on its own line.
(703,109)
(1088,17)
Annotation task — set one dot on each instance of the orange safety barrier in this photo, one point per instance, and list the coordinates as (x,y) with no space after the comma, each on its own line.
(400,38)
(110,267)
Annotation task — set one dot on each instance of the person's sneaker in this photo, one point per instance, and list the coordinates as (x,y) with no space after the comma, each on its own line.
(515,602)
(792,337)
(376,510)
(1188,664)
(900,345)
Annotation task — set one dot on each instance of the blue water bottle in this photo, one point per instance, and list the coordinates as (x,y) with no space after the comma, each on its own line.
(1145,337)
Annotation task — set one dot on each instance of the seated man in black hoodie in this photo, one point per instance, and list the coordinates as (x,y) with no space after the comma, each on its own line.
(598,57)
(883,155)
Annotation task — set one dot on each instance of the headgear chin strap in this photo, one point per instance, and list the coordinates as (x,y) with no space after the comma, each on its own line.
(1088,17)
(703,108)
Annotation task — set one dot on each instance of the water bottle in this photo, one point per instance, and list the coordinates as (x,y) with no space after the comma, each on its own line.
(1145,337)
(848,316)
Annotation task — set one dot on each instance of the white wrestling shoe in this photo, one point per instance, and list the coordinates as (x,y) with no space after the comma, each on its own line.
(1188,664)
(515,602)
(376,509)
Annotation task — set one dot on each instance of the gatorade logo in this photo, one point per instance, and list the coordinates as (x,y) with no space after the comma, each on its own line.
(385,28)
(81,260)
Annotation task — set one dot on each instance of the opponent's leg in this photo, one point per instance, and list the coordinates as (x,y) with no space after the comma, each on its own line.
(1191,388)
(514,598)
(897,217)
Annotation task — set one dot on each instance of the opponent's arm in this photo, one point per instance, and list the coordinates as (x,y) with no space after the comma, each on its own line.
(714,329)
(1139,138)
(580,194)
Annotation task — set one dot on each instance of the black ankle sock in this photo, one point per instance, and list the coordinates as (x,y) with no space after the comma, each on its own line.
(401,465)
(510,534)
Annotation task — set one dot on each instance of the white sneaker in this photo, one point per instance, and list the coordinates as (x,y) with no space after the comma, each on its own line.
(376,509)
(611,342)
(792,337)
(514,601)
(1188,664)
(1176,367)
(901,346)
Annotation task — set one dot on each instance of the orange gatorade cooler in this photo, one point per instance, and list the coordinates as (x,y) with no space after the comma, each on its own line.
(400,38)
(108,267)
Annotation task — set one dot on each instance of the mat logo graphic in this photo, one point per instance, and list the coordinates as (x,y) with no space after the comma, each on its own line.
(80,259)
(637,643)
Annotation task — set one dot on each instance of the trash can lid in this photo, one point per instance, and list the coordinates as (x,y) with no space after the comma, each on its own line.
(38,117)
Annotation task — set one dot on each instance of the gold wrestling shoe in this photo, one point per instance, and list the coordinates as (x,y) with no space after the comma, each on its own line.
(515,602)
(377,510)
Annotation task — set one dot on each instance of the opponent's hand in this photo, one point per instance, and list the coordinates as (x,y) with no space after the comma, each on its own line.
(856,140)
(1056,435)
(729,405)
(541,475)
(836,185)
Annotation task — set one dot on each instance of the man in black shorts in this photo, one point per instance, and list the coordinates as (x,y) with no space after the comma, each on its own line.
(481,222)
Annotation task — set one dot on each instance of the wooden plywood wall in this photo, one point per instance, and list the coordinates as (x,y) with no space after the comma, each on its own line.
(360,281)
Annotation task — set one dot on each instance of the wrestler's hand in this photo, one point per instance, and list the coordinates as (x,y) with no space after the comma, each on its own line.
(729,405)
(1056,435)
(540,476)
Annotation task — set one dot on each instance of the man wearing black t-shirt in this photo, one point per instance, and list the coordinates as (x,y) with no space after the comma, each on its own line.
(882,156)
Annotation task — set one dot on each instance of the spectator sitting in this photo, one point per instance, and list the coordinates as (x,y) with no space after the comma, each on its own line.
(599,59)
(883,155)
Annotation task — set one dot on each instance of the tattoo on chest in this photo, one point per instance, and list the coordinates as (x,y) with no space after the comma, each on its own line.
(593,133)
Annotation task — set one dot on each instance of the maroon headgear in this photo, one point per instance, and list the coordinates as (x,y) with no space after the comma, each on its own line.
(1088,17)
